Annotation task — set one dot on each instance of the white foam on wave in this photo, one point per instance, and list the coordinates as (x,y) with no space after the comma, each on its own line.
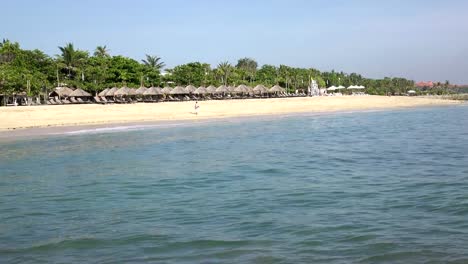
(115,129)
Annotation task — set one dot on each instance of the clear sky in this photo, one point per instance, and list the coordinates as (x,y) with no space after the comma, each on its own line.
(420,40)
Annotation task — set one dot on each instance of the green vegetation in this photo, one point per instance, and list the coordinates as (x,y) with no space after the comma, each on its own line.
(33,72)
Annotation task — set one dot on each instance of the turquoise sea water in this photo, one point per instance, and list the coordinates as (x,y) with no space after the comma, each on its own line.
(375,187)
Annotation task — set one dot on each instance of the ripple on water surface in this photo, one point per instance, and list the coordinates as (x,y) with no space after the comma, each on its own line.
(377,187)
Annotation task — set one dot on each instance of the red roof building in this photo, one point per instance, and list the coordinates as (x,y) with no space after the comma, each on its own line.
(429,84)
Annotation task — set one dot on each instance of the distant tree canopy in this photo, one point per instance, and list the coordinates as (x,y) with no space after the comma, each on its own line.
(193,73)
(77,68)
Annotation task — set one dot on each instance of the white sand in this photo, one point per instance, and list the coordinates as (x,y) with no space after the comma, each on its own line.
(69,115)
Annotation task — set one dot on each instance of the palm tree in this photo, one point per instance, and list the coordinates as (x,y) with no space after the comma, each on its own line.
(101,51)
(153,62)
(225,68)
(71,57)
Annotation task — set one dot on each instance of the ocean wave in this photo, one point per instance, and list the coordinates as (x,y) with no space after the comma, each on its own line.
(115,129)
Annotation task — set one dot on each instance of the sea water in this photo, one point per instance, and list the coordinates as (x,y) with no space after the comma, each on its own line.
(370,187)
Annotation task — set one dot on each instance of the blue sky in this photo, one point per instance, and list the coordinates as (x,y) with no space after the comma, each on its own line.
(421,40)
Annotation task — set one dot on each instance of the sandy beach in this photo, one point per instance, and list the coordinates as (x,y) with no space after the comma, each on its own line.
(94,114)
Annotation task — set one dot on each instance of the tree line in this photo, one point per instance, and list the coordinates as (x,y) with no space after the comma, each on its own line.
(34,72)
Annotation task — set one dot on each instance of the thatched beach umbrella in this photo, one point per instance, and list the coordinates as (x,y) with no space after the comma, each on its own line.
(131,91)
(331,88)
(103,92)
(179,90)
(141,90)
(124,91)
(112,91)
(211,89)
(200,90)
(61,92)
(341,87)
(277,89)
(242,89)
(260,89)
(222,89)
(231,89)
(80,93)
(153,91)
(166,90)
(190,88)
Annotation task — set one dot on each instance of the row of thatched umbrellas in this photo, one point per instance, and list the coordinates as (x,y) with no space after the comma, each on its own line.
(68,92)
(190,89)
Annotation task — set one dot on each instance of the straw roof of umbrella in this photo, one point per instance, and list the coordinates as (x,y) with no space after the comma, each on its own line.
(153,91)
(200,90)
(166,90)
(112,91)
(277,89)
(190,88)
(222,89)
(124,91)
(332,88)
(179,90)
(131,91)
(80,93)
(63,91)
(260,89)
(341,87)
(141,90)
(211,89)
(231,89)
(103,93)
(241,89)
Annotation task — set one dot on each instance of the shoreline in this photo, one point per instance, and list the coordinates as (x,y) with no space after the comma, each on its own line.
(40,120)
(38,132)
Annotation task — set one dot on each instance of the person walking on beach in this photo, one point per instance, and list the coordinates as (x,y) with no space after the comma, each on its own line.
(196,107)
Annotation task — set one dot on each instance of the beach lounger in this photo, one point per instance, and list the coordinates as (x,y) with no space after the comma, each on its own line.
(79,100)
(98,100)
